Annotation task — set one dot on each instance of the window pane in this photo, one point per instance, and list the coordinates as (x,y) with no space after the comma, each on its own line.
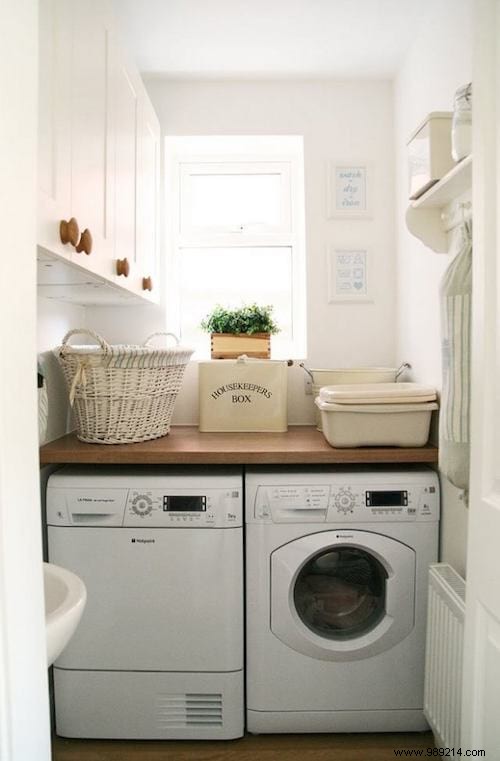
(234,200)
(233,277)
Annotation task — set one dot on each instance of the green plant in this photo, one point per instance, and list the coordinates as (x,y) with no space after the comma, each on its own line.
(248,319)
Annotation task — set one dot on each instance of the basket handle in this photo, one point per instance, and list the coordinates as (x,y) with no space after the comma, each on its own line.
(404,366)
(161,333)
(85,331)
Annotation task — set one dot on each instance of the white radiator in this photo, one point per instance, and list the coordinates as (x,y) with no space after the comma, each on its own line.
(444,650)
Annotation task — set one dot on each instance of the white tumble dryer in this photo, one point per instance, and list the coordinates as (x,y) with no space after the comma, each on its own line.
(337,566)
(158,653)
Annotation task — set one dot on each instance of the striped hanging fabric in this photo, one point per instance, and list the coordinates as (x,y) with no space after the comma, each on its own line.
(454,422)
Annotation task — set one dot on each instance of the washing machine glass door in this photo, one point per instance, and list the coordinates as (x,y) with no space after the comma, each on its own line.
(342,595)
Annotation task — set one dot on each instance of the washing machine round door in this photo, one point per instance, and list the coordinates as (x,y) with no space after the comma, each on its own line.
(342,595)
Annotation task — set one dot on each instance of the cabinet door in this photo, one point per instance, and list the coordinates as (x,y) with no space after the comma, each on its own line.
(148,197)
(123,84)
(91,161)
(54,147)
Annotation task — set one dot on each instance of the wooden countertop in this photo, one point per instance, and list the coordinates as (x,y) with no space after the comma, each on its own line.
(185,445)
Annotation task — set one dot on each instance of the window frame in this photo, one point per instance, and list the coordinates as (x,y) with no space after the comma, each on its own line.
(230,235)
(262,158)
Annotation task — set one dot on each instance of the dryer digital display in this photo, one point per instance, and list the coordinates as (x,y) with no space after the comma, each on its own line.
(184,504)
(386,498)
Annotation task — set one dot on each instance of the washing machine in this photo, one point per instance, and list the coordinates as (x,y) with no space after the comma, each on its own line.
(158,653)
(337,563)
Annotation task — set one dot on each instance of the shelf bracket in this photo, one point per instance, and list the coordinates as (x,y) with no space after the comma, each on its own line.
(427,225)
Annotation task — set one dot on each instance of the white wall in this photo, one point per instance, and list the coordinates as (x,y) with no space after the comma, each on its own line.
(347,121)
(439,61)
(54,319)
(24,715)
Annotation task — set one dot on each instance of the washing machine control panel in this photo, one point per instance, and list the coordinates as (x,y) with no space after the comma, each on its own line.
(375,503)
(353,500)
(297,504)
(384,502)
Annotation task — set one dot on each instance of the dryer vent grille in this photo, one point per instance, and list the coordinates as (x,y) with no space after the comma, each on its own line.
(187,710)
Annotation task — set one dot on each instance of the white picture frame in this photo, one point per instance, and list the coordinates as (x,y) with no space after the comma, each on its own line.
(349,189)
(348,277)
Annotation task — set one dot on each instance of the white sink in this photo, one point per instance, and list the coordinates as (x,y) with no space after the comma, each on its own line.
(65,598)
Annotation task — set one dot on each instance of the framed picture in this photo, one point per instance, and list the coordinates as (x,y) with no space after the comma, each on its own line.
(349,190)
(348,275)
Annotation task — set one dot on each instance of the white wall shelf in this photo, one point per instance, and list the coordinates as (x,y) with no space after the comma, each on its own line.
(424,215)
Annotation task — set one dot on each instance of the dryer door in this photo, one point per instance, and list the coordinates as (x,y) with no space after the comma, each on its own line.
(342,595)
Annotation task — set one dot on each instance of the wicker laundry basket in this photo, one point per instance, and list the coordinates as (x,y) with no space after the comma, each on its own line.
(122,394)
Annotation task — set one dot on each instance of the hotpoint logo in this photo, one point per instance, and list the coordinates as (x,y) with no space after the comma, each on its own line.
(142,541)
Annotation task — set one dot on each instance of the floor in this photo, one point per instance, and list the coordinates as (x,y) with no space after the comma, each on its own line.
(352,747)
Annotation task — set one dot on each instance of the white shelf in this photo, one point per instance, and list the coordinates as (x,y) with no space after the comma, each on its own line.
(423,217)
(457,181)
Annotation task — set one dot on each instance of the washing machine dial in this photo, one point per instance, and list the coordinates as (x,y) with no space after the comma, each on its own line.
(142,505)
(344,501)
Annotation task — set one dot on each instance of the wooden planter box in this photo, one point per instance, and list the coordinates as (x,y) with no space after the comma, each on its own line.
(232,345)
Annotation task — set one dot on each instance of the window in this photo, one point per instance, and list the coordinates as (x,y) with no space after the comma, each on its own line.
(235,218)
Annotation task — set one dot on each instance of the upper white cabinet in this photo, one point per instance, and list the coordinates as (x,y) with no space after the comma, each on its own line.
(148,196)
(54,126)
(95,165)
(124,117)
(91,138)
(136,133)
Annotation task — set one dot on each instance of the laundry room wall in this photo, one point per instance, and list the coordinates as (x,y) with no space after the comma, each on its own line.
(346,121)
(438,62)
(54,319)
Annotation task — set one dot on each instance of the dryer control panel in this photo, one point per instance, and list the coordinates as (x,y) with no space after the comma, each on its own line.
(349,497)
(149,501)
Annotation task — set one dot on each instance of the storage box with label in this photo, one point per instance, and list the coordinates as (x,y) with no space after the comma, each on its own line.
(429,152)
(243,395)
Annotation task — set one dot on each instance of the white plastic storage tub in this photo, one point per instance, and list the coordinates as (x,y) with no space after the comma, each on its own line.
(324,377)
(388,414)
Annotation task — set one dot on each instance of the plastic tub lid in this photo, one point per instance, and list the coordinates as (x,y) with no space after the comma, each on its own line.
(377,393)
(377,408)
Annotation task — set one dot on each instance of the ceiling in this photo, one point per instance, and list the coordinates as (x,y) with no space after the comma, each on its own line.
(341,39)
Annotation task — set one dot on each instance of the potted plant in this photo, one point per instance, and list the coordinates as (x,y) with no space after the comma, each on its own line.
(246,330)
